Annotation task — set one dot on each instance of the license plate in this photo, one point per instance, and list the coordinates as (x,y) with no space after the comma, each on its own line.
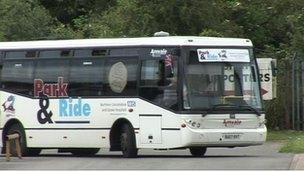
(231,136)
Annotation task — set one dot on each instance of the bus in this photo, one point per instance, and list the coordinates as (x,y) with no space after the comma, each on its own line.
(126,94)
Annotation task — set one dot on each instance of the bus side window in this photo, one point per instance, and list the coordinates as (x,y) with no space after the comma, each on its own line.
(86,77)
(50,54)
(151,73)
(121,76)
(158,81)
(50,70)
(17,76)
(82,53)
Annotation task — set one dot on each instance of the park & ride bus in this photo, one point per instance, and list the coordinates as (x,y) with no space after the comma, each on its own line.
(126,94)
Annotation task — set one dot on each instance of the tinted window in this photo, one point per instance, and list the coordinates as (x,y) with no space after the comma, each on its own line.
(15,55)
(50,54)
(50,70)
(121,76)
(99,52)
(17,76)
(150,74)
(86,77)
(126,52)
(90,52)
(82,53)
(31,54)
(158,81)
(66,53)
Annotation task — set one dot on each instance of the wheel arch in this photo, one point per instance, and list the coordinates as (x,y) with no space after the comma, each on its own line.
(115,133)
(7,127)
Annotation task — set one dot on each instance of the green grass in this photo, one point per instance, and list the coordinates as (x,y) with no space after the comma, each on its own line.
(293,140)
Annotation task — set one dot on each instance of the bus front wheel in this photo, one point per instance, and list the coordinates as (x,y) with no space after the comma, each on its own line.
(198,151)
(128,144)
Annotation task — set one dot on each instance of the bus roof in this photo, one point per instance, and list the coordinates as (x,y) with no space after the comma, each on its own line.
(119,42)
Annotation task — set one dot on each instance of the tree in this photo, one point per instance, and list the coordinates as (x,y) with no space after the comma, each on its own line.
(142,18)
(24,20)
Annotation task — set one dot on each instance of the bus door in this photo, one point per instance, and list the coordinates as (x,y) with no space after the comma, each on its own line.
(158,85)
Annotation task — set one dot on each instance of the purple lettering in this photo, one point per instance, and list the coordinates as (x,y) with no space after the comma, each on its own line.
(58,89)
(38,87)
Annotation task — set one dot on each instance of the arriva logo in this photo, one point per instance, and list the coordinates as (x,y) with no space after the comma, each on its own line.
(70,108)
(231,122)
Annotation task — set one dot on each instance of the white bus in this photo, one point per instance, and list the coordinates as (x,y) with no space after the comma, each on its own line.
(126,94)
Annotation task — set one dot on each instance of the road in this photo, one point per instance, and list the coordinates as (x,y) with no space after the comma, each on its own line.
(263,157)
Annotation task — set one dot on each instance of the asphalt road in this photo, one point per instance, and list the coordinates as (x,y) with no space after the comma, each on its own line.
(256,157)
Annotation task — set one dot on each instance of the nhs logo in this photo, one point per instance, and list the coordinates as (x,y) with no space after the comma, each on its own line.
(131,103)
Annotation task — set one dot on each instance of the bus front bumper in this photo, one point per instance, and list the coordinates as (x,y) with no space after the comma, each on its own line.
(223,137)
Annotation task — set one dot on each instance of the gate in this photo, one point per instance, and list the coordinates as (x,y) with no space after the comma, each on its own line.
(297,114)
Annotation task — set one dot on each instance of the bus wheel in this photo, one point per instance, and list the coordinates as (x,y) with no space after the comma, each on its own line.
(198,151)
(84,151)
(128,144)
(16,128)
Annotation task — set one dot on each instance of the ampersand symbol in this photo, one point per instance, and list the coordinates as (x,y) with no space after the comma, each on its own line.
(42,115)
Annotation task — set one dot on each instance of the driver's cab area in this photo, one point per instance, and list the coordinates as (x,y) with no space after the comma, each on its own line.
(158,77)
(220,77)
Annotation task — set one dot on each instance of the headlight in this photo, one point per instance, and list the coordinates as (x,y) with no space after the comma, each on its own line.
(192,124)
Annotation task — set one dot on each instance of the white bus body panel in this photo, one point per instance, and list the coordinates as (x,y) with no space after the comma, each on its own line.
(150,129)
(213,128)
(68,138)
(214,137)
(154,126)
(126,42)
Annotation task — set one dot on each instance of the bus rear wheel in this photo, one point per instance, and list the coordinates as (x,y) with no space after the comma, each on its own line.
(17,128)
(198,151)
(128,144)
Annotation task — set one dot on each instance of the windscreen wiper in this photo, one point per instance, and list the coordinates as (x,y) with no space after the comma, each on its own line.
(223,106)
(252,109)
(219,106)
(229,106)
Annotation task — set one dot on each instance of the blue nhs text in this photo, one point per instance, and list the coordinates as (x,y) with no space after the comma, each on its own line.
(76,107)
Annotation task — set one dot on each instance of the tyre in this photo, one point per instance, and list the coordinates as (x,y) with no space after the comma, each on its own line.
(84,151)
(198,151)
(17,128)
(128,143)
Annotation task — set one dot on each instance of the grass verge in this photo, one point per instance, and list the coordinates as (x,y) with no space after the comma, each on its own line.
(293,140)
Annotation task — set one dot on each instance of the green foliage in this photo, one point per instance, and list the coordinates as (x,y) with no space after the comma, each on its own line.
(294,146)
(286,135)
(142,18)
(210,33)
(24,20)
(293,140)
(65,32)
(66,11)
